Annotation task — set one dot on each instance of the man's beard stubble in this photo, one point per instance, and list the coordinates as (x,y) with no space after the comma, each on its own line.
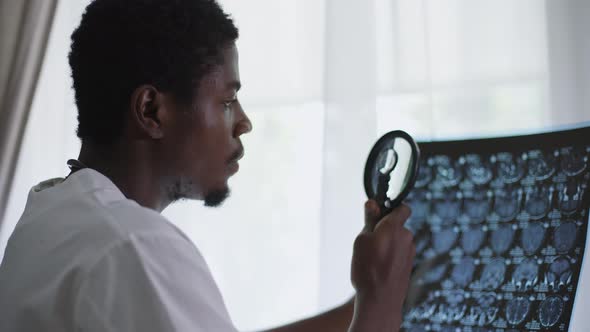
(183,189)
(216,197)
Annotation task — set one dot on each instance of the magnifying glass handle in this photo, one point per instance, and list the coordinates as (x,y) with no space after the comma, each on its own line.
(381,195)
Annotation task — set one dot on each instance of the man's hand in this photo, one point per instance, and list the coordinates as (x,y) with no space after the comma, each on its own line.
(381,267)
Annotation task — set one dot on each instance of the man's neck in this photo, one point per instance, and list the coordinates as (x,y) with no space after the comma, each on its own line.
(130,170)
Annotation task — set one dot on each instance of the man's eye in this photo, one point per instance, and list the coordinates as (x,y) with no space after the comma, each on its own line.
(229,103)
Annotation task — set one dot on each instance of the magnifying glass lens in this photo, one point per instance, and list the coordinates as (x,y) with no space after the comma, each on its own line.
(391,169)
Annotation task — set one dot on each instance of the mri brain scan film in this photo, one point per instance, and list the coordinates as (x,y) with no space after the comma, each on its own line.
(505,220)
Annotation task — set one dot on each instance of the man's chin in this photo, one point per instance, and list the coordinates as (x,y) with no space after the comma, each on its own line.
(216,197)
(183,189)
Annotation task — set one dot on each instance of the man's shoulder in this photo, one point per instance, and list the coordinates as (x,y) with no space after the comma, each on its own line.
(93,212)
(125,218)
(104,225)
(82,226)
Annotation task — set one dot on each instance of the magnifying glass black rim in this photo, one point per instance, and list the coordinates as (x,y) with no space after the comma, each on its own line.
(372,159)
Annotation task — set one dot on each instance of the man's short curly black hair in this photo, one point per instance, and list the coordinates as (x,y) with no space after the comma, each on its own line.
(122,44)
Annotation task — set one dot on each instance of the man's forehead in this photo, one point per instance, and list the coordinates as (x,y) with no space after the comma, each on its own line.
(220,79)
(225,75)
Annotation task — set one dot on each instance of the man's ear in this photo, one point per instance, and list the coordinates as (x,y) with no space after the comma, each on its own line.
(147,112)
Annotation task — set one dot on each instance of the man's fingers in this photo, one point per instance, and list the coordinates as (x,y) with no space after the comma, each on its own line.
(396,218)
(372,214)
(401,213)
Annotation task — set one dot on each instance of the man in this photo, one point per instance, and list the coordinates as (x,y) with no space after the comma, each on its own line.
(156,85)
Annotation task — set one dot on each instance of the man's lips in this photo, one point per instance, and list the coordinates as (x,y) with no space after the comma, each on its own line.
(239,154)
(233,162)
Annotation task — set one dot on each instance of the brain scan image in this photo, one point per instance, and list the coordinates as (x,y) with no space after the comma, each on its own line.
(493,274)
(541,165)
(444,240)
(420,203)
(417,328)
(477,207)
(486,300)
(478,171)
(455,297)
(435,274)
(463,272)
(500,232)
(564,237)
(424,175)
(550,311)
(506,204)
(448,209)
(502,238)
(449,173)
(510,169)
(421,242)
(532,238)
(574,162)
(482,329)
(526,275)
(538,203)
(482,316)
(472,240)
(450,314)
(517,310)
(560,273)
(570,198)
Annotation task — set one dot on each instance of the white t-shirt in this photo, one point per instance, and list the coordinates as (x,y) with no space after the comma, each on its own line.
(85,258)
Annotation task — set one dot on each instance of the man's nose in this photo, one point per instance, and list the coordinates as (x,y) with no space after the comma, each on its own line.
(244,125)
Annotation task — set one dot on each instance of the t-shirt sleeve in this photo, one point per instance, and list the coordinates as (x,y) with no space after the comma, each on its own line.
(151,283)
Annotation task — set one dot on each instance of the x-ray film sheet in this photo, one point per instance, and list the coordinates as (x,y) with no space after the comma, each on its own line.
(500,229)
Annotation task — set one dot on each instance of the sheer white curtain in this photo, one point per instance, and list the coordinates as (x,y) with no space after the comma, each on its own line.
(322,80)
(50,132)
(24,32)
(463,67)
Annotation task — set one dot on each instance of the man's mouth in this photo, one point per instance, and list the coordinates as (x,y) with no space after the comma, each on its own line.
(233,161)
(239,154)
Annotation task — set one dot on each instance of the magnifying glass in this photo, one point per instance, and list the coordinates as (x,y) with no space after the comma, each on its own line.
(391,169)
